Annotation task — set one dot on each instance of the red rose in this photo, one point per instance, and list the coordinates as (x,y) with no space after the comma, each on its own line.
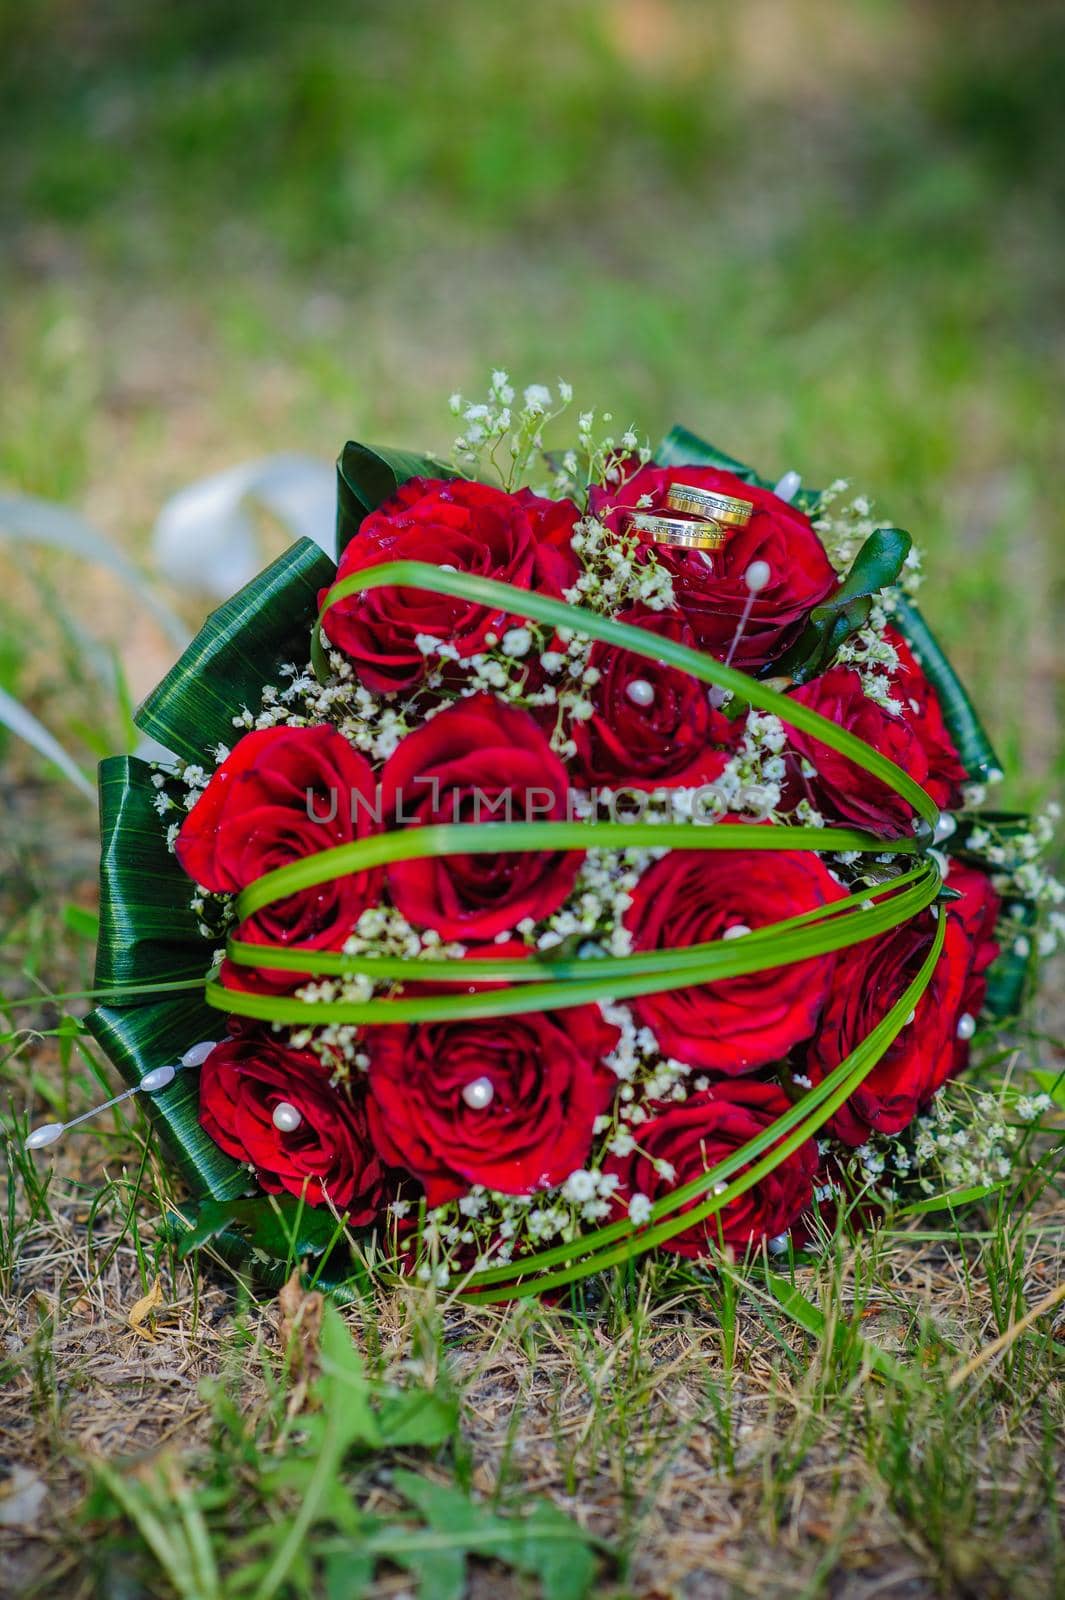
(507,1102)
(653,727)
(283,794)
(328,1156)
(738,1024)
(478,761)
(866,986)
(713,596)
(519,539)
(978,909)
(921,709)
(978,912)
(838,788)
(697,1134)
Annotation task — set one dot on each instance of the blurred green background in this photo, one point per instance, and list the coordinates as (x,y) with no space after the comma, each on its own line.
(827,236)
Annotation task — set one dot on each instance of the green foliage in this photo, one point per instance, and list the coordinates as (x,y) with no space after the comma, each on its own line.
(973,745)
(236,652)
(875,568)
(237,640)
(367,475)
(305,1530)
(147,927)
(279,1226)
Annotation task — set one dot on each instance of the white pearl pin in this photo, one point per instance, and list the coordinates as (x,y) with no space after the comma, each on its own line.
(151,1083)
(286,1119)
(966,1025)
(757,575)
(197,1055)
(479,1094)
(640,692)
(737,931)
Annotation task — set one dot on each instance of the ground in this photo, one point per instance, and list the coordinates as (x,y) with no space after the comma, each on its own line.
(826,237)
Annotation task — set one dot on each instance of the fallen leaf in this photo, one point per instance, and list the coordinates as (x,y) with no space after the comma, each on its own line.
(301,1326)
(144,1308)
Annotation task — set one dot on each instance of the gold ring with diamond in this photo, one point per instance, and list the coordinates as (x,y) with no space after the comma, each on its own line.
(724,509)
(683,532)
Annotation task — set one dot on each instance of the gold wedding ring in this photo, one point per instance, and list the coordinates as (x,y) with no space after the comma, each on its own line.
(682,532)
(724,509)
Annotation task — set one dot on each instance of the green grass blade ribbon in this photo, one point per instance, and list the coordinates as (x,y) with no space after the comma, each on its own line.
(559,614)
(668,1217)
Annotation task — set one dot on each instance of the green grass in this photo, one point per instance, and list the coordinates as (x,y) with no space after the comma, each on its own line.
(824,246)
(825,237)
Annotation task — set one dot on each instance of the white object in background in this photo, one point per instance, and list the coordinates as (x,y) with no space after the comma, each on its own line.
(788,487)
(205,539)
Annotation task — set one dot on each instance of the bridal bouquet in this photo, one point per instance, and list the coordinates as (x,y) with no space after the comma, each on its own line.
(587,864)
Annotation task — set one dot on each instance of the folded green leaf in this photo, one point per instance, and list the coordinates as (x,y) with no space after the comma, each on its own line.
(876,567)
(367,475)
(147,927)
(973,745)
(682,448)
(237,651)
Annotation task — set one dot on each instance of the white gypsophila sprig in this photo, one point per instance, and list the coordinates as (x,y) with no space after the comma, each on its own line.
(967,1138)
(1033,896)
(618,571)
(752,780)
(844,526)
(501,437)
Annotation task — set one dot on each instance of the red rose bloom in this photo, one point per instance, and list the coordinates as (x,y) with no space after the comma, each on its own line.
(921,709)
(922,1057)
(519,539)
(653,727)
(507,1102)
(693,1137)
(328,1156)
(978,912)
(712,597)
(478,761)
(738,1024)
(283,794)
(838,788)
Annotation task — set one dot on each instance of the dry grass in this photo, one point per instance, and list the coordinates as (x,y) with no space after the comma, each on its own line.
(717,1449)
(841,257)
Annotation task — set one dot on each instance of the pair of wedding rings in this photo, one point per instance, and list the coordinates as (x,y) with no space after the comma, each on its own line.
(708,518)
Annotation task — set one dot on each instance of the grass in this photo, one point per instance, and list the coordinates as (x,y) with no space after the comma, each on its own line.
(702,1441)
(826,238)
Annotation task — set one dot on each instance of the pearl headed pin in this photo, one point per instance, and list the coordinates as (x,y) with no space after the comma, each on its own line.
(479,1094)
(286,1118)
(640,692)
(152,1082)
